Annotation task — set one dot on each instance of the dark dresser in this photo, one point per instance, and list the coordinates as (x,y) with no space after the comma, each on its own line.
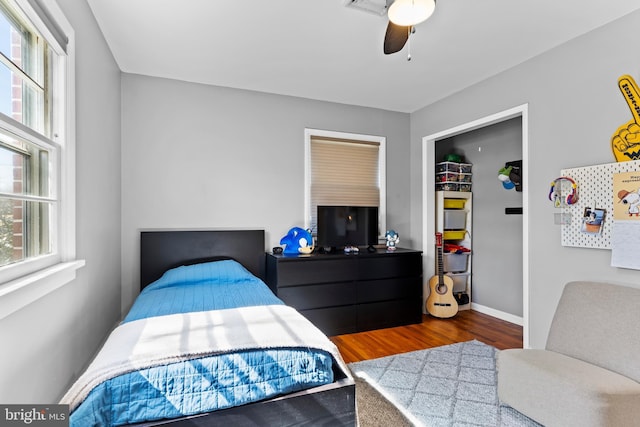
(344,293)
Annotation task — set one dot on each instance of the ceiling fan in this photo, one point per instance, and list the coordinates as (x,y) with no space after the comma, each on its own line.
(404,15)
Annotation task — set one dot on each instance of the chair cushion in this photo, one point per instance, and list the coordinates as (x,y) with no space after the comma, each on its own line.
(558,390)
(598,323)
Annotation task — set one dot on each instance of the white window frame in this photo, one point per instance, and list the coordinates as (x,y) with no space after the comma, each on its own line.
(382,183)
(24,282)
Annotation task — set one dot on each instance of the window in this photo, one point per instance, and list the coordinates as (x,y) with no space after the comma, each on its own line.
(25,199)
(344,169)
(37,175)
(24,71)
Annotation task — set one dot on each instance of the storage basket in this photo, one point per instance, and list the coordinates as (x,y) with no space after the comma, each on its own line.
(454,234)
(459,281)
(455,219)
(454,203)
(448,167)
(464,186)
(455,263)
(446,186)
(464,167)
(447,176)
(464,177)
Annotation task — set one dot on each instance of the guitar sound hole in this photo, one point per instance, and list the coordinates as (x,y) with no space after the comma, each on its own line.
(441,289)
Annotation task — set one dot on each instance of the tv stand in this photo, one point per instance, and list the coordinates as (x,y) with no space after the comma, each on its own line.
(343,293)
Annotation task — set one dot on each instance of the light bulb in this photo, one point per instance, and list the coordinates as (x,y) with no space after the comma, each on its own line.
(407,13)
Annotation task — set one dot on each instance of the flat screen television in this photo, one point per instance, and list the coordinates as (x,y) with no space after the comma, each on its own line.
(340,226)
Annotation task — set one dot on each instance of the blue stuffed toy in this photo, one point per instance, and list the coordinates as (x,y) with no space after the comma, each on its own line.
(297,241)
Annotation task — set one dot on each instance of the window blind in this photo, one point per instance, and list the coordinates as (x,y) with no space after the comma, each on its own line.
(343,173)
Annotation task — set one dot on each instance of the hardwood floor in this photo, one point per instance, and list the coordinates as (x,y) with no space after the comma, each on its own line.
(432,332)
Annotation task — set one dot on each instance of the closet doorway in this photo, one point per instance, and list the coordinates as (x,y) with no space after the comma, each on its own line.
(484,142)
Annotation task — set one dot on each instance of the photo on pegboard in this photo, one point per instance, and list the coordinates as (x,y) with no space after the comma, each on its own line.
(592,220)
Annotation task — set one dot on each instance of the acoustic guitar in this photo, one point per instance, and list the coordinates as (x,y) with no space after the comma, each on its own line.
(441,302)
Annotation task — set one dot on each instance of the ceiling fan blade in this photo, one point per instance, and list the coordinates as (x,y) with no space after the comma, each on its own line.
(395,38)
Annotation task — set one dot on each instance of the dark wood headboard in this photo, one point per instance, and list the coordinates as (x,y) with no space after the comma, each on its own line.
(163,250)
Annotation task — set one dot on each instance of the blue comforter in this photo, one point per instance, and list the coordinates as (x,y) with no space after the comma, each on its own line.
(201,287)
(209,383)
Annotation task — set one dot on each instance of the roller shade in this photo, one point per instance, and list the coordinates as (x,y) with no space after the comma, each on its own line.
(343,173)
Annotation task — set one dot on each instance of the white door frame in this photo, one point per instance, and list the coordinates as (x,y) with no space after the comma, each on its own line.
(428,197)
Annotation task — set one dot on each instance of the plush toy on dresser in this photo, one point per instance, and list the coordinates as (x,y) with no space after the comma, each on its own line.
(297,241)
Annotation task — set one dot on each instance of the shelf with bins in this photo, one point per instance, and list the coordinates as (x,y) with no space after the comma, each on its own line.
(452,176)
(454,220)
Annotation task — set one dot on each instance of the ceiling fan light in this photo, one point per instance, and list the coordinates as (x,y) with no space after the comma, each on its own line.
(407,13)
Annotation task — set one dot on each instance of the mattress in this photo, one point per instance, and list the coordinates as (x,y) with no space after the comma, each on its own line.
(209,383)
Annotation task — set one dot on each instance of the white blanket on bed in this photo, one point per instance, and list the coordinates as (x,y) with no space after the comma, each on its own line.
(166,339)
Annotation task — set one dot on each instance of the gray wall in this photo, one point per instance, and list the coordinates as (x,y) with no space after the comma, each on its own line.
(196,156)
(47,343)
(497,238)
(574,108)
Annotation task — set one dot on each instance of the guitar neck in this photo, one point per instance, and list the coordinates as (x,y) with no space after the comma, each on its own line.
(440,264)
(439,256)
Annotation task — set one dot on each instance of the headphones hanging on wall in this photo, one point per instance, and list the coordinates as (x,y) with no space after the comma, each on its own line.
(556,190)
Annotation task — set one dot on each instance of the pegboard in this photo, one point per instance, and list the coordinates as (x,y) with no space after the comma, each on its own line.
(595,190)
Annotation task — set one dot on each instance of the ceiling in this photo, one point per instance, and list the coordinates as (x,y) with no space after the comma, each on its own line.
(320,49)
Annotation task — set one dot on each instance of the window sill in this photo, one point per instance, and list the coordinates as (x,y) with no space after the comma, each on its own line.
(21,292)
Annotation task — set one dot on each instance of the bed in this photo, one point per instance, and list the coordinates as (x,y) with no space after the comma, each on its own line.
(207,343)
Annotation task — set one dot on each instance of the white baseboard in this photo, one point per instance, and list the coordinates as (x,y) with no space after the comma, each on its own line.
(507,317)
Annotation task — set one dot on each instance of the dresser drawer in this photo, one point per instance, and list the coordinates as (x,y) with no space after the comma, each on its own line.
(315,296)
(390,266)
(388,289)
(292,273)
